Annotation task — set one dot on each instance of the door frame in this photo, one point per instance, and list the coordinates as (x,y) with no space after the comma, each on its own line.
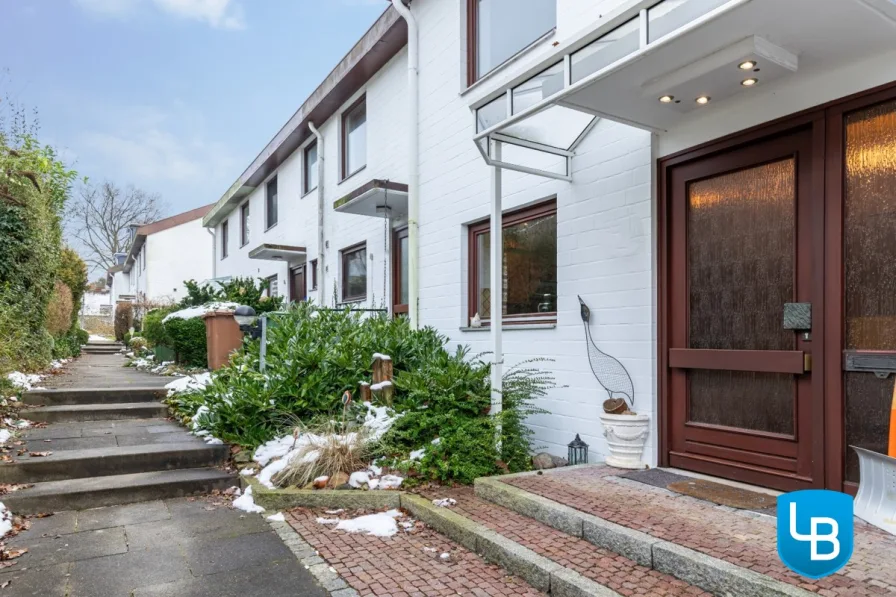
(826,124)
(292,281)
(397,235)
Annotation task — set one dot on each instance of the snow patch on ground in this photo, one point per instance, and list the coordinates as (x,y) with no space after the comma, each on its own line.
(24,381)
(247,472)
(4,436)
(444,502)
(189,383)
(95,338)
(246,503)
(278,517)
(192,312)
(359,479)
(381,524)
(5,520)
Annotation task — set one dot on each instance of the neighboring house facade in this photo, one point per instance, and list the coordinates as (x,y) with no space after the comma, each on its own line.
(162,256)
(267,224)
(712,181)
(97,303)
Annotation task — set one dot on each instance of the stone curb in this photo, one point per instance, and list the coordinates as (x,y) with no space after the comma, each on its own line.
(286,499)
(309,558)
(711,574)
(538,571)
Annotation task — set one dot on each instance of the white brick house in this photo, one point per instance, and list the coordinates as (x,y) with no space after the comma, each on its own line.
(162,256)
(710,167)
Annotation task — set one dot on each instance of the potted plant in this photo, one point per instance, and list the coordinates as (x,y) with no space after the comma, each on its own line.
(626,433)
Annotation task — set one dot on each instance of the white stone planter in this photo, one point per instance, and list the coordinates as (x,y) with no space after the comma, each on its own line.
(626,436)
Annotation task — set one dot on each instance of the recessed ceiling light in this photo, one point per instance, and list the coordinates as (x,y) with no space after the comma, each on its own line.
(667,99)
(703,99)
(747,65)
(749,82)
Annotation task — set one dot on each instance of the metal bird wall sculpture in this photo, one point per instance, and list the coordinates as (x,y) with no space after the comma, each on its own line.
(609,372)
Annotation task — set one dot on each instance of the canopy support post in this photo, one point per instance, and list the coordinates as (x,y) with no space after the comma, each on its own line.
(497,286)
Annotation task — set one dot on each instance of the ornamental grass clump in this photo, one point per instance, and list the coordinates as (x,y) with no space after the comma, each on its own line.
(326,451)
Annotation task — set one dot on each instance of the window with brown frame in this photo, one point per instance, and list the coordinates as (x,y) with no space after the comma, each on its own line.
(400,267)
(354,138)
(530,265)
(354,273)
(309,167)
(244,224)
(499,29)
(224,239)
(273,287)
(270,204)
(314,274)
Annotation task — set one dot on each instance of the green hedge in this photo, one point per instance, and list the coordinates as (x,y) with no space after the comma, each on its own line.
(154,329)
(188,340)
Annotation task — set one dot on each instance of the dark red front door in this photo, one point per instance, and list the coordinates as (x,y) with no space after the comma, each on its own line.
(741,402)
(297,288)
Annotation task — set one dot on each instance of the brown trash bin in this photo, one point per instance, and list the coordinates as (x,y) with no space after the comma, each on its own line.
(223,336)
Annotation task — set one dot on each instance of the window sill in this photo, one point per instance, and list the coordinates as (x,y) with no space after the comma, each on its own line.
(492,74)
(244,244)
(308,192)
(353,300)
(512,327)
(274,225)
(361,169)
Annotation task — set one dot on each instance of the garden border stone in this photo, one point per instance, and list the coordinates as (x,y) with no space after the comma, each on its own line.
(286,499)
(709,573)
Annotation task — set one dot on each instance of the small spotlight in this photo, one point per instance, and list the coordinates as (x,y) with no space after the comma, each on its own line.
(747,65)
(667,99)
(749,82)
(703,99)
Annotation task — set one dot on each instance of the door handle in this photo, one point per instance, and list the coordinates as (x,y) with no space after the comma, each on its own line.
(807,362)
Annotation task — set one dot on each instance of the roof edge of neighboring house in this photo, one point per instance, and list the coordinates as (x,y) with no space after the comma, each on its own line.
(158,226)
(385,38)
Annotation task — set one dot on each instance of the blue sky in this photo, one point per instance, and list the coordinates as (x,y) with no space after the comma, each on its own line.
(174,96)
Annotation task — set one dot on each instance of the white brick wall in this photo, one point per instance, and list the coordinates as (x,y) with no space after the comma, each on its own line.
(603,226)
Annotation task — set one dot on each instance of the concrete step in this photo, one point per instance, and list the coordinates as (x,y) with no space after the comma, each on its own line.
(96,412)
(93,396)
(95,492)
(115,460)
(101,349)
(651,554)
(547,559)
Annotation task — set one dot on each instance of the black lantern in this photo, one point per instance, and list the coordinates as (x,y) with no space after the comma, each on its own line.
(578,451)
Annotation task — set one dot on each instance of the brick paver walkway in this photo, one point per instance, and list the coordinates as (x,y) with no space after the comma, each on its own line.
(600,565)
(405,565)
(746,541)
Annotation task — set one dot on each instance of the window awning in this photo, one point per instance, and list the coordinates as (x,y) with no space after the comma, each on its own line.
(376,198)
(649,63)
(271,252)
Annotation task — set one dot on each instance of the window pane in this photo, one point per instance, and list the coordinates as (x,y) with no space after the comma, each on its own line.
(542,85)
(738,279)
(530,268)
(669,15)
(557,126)
(356,140)
(271,207)
(869,238)
(311,168)
(504,27)
(244,224)
(403,274)
(491,113)
(355,264)
(606,50)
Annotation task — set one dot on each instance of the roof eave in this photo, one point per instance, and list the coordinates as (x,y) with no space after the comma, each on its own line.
(377,46)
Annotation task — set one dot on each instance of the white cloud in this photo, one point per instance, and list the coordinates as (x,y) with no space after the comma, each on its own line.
(220,14)
(152,146)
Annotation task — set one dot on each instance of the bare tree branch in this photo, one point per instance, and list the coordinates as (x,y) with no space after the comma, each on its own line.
(101,215)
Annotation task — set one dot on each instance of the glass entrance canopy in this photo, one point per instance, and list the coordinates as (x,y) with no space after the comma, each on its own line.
(537,120)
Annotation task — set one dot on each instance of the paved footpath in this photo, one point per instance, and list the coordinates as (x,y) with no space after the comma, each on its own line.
(181,547)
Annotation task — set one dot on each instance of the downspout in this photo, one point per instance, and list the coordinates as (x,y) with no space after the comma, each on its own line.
(214,252)
(321,297)
(413,150)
